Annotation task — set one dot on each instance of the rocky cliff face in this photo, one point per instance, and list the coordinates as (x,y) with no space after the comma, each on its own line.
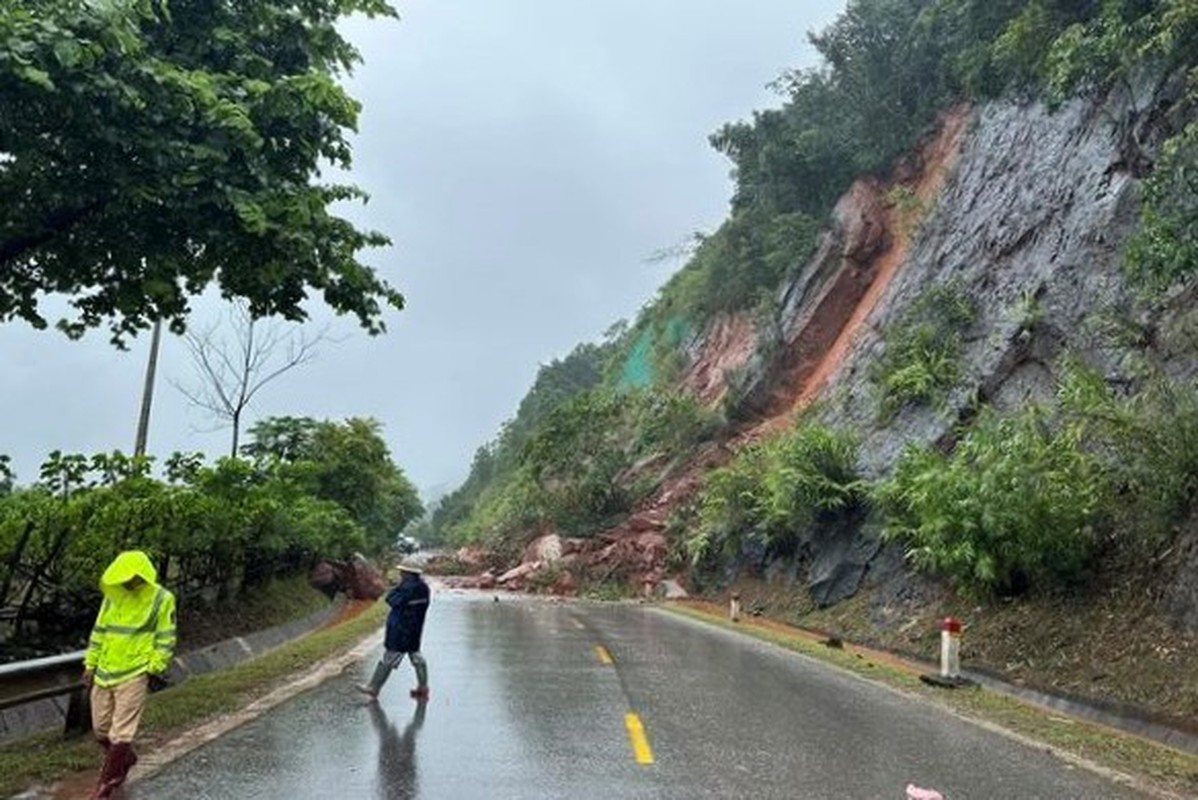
(1025,209)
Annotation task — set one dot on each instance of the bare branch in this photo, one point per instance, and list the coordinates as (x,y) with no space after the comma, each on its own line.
(297,354)
(231,371)
(212,375)
(680,251)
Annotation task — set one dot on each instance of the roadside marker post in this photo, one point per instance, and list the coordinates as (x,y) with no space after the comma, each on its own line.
(950,648)
(949,676)
(734,607)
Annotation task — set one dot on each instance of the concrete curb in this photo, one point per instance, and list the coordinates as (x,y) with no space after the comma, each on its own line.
(230,652)
(1126,721)
(45,715)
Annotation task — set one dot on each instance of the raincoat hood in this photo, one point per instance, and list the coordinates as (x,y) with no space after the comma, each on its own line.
(129,564)
(135,630)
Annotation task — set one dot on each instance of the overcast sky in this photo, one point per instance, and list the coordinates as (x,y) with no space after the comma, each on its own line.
(526,157)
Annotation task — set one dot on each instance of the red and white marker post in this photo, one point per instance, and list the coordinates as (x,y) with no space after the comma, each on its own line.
(949,676)
(950,648)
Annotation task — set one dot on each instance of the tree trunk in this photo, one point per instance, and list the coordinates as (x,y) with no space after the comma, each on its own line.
(36,578)
(14,561)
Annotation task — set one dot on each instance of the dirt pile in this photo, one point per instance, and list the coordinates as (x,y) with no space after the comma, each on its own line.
(558,565)
(631,556)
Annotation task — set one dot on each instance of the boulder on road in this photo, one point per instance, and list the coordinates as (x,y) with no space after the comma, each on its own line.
(357,578)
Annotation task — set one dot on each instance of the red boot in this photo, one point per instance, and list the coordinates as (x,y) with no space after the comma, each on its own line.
(104,786)
(127,758)
(120,760)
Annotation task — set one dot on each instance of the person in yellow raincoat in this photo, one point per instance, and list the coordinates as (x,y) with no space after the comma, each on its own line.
(133,639)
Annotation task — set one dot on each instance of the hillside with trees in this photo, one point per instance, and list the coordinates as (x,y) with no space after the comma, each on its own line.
(891,68)
(951,314)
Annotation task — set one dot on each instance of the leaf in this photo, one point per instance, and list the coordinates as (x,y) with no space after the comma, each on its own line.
(68,52)
(36,76)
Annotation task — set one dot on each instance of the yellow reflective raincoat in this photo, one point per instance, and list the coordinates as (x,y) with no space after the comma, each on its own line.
(135,629)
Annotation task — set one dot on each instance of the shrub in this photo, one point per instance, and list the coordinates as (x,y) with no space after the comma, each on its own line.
(1149,442)
(923,348)
(1015,503)
(778,491)
(1021,498)
(727,507)
(1164,250)
(672,421)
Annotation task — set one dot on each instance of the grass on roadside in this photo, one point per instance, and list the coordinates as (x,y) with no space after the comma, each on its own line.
(1167,768)
(275,602)
(46,758)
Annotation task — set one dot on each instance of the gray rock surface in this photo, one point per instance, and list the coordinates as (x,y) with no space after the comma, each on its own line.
(1031,224)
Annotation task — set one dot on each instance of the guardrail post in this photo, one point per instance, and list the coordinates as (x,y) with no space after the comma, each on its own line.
(79,713)
(734,607)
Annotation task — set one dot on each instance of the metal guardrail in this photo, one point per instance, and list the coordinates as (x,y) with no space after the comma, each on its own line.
(25,682)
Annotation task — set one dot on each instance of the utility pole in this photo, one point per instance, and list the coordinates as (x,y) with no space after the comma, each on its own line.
(147,395)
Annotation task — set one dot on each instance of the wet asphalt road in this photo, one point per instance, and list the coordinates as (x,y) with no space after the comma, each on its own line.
(530,700)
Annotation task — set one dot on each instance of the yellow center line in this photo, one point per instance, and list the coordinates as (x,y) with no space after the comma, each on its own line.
(603,655)
(640,743)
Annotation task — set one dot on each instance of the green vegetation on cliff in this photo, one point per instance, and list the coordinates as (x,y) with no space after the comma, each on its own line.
(1009,500)
(778,494)
(923,349)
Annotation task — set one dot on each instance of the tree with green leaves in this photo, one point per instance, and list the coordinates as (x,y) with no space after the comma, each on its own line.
(7,475)
(285,438)
(347,463)
(496,463)
(149,149)
(233,523)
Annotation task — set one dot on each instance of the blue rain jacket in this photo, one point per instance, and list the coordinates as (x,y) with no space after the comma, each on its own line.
(405,623)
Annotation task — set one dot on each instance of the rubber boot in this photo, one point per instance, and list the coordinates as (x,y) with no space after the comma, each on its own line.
(421,690)
(127,759)
(120,760)
(107,771)
(381,672)
(117,763)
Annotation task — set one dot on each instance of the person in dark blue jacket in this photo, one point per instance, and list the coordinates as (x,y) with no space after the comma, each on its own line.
(409,603)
